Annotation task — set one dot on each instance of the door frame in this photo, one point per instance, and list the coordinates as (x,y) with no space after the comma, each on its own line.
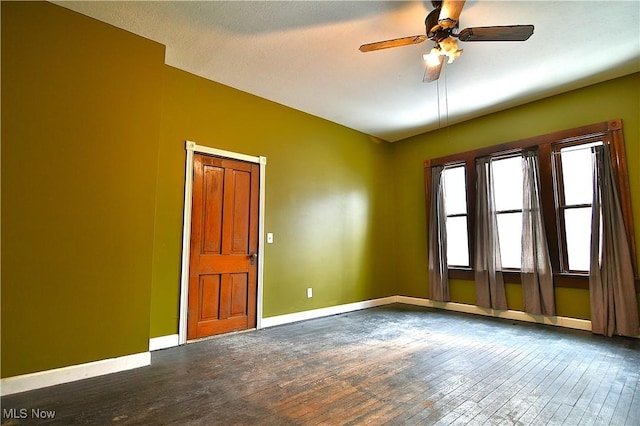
(192,148)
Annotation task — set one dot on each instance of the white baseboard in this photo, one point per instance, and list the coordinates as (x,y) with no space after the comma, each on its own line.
(575,323)
(26,382)
(163,342)
(567,322)
(41,379)
(324,312)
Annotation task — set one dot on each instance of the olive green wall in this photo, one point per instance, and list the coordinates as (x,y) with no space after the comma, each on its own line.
(81,102)
(328,198)
(619,98)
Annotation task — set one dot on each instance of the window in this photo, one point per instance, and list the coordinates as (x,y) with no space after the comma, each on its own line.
(507,191)
(565,189)
(574,191)
(456,210)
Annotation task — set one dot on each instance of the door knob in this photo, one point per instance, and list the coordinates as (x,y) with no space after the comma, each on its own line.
(253,257)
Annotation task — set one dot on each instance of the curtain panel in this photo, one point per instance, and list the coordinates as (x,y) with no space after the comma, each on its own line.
(536,273)
(614,306)
(438,272)
(490,292)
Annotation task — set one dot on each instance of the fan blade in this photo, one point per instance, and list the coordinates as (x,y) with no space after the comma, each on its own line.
(432,72)
(502,33)
(450,13)
(396,42)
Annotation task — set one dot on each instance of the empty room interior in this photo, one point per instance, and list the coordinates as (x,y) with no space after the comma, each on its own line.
(317,212)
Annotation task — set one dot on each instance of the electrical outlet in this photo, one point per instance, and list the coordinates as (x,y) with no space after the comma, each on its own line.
(309,293)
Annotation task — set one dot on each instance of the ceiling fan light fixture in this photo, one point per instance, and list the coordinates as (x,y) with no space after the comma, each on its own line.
(432,58)
(449,48)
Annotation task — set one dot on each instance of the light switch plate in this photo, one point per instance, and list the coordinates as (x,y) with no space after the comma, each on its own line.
(269,237)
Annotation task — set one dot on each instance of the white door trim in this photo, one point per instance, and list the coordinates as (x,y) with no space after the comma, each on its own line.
(192,148)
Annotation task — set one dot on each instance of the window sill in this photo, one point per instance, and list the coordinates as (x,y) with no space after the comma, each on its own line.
(559,280)
(571,280)
(461,274)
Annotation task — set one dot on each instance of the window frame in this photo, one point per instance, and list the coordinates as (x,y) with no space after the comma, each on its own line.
(498,157)
(465,214)
(561,204)
(610,132)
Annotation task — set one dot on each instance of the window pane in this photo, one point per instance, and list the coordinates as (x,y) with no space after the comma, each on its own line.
(577,174)
(578,228)
(510,237)
(507,183)
(455,193)
(457,247)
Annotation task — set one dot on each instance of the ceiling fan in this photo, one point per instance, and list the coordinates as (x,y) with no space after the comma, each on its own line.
(441,25)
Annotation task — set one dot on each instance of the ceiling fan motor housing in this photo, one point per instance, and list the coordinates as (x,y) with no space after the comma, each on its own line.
(434,30)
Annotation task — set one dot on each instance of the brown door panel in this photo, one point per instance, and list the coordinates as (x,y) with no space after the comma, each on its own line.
(224,239)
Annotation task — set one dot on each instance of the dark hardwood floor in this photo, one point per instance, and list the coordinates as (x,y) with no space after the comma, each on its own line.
(397,364)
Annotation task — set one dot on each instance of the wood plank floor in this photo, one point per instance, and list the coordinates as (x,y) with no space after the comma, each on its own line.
(397,365)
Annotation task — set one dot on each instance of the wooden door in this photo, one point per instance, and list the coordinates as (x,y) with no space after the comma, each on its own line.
(224,244)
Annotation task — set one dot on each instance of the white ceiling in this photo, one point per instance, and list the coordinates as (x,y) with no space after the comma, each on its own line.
(304,54)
